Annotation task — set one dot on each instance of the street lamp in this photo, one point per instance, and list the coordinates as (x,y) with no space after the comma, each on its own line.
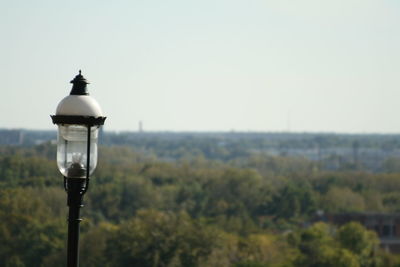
(78,117)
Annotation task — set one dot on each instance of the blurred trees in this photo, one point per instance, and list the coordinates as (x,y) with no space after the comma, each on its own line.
(193,212)
(350,245)
(29,229)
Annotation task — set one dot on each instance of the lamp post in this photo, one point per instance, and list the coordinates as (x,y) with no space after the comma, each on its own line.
(78,117)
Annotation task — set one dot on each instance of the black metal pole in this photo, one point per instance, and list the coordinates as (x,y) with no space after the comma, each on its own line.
(75,187)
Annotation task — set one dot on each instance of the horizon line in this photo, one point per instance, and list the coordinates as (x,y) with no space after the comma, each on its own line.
(232,131)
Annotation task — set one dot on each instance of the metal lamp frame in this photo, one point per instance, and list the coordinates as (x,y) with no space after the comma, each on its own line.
(76,187)
(89,122)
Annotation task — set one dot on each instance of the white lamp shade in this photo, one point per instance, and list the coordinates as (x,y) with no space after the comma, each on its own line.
(79,105)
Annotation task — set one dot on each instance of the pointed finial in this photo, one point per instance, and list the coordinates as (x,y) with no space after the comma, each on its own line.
(80,72)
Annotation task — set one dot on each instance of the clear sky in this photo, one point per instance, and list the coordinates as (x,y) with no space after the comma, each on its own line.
(210,65)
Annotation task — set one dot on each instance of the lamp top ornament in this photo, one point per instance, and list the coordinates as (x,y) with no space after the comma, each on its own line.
(79,85)
(79,107)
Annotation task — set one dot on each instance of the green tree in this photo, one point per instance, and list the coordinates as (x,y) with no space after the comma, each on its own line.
(343,199)
(155,238)
(360,241)
(292,201)
(28,232)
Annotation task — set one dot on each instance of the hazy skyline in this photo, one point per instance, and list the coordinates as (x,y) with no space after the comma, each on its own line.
(320,66)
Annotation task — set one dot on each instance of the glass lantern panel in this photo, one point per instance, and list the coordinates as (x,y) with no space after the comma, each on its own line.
(72,150)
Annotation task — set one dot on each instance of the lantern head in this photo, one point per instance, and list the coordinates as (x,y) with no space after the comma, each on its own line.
(78,117)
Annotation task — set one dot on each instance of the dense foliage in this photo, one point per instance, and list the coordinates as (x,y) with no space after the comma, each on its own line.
(141,211)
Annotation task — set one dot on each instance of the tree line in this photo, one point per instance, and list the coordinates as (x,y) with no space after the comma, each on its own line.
(195,211)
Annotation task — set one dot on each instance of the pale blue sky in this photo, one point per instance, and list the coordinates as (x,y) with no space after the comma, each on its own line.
(210,65)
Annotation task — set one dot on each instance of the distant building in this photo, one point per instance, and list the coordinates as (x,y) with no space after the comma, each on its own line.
(140,127)
(386,225)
